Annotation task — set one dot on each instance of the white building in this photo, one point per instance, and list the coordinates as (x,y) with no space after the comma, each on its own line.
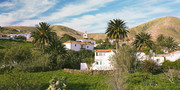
(160,58)
(76,46)
(4,36)
(85,35)
(27,35)
(102,61)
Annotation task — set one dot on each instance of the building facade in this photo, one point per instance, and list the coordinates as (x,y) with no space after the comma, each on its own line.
(77,46)
(102,59)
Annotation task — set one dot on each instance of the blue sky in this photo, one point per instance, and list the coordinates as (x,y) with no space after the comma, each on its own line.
(85,15)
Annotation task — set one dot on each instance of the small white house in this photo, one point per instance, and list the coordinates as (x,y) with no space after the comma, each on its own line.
(160,58)
(85,35)
(102,61)
(76,46)
(4,36)
(27,35)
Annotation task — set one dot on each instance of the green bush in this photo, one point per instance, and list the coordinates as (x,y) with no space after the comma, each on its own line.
(16,55)
(150,66)
(23,38)
(171,65)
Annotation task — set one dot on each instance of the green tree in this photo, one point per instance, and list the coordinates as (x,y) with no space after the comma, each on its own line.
(57,53)
(170,43)
(67,37)
(160,38)
(43,35)
(117,29)
(21,38)
(143,40)
(16,55)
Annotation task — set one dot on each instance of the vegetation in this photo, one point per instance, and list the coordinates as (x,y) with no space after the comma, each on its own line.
(17,80)
(148,81)
(23,38)
(150,66)
(104,44)
(117,29)
(43,35)
(171,65)
(67,37)
(142,41)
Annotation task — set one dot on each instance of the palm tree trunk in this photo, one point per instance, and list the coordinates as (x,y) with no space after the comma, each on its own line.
(117,44)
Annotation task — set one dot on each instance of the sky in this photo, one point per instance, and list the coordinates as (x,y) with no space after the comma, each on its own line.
(85,15)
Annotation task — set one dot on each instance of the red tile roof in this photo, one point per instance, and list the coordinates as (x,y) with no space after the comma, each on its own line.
(104,50)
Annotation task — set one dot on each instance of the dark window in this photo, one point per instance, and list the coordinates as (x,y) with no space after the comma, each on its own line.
(96,53)
(75,45)
(87,46)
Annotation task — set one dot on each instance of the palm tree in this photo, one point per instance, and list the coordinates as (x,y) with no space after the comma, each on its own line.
(43,35)
(170,43)
(117,30)
(56,47)
(142,41)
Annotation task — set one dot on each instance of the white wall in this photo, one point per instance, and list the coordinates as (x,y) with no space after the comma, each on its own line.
(75,47)
(67,45)
(102,62)
(89,47)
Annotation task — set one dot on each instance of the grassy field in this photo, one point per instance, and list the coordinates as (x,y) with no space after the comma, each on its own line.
(5,44)
(40,81)
(148,81)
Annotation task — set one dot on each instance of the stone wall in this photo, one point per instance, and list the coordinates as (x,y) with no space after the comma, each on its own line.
(91,72)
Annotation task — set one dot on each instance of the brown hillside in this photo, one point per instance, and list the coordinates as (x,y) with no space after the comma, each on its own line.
(168,26)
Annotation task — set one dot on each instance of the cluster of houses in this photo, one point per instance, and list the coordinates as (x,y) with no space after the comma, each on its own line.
(102,56)
(13,36)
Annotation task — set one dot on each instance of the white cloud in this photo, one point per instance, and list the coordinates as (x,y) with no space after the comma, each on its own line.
(76,9)
(28,9)
(98,22)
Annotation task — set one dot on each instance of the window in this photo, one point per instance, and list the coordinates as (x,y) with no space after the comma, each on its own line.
(96,53)
(100,62)
(100,53)
(75,45)
(87,46)
(97,63)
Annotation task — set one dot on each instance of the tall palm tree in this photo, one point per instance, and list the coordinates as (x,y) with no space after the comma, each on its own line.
(43,35)
(170,43)
(117,30)
(143,40)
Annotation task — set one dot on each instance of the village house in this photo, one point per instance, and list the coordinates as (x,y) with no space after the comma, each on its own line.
(160,58)
(4,36)
(102,59)
(27,35)
(76,46)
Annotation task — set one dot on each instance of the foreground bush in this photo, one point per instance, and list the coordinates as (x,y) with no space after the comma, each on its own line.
(148,81)
(40,81)
(171,65)
(150,66)
(56,84)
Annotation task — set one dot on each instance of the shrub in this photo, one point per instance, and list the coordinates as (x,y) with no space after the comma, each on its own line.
(23,38)
(171,65)
(125,59)
(56,84)
(150,66)
(16,55)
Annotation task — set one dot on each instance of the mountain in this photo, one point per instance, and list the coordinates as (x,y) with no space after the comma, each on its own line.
(168,26)
(59,29)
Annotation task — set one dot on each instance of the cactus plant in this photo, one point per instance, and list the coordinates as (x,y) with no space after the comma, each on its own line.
(56,84)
